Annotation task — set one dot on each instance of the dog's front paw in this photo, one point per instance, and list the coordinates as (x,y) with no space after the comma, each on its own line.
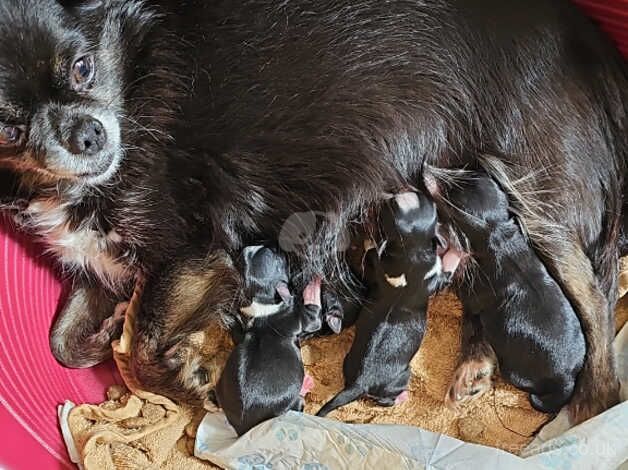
(472,379)
(110,329)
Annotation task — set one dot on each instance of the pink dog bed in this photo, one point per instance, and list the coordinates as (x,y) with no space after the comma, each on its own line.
(32,384)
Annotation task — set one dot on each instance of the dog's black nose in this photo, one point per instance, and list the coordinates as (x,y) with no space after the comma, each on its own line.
(87,137)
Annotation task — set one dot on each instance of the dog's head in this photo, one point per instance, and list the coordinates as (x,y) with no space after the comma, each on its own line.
(63,78)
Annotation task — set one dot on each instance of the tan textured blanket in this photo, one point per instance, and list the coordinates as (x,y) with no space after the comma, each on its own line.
(142,430)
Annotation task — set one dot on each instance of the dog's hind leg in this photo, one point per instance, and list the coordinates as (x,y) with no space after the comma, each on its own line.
(82,333)
(578,244)
(597,386)
(190,296)
(474,374)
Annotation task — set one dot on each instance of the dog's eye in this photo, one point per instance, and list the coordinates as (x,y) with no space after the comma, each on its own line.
(10,135)
(82,73)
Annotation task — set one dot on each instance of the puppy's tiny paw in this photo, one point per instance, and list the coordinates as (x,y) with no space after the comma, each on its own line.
(472,379)
(308,385)
(402,397)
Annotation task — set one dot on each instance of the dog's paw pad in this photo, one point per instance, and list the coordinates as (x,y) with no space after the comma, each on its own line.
(472,379)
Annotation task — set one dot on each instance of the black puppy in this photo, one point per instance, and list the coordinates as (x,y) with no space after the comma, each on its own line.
(264,376)
(522,310)
(390,327)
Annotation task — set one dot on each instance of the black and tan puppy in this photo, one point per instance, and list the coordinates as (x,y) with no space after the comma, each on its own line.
(264,375)
(514,303)
(390,327)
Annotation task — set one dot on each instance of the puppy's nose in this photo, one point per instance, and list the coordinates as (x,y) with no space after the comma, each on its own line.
(87,136)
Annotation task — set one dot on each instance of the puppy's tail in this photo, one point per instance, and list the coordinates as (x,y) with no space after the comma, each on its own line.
(346,396)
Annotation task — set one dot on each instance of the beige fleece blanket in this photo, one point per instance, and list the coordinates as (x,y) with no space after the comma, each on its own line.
(137,429)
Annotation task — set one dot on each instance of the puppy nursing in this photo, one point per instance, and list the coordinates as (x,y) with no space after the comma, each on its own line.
(264,376)
(517,309)
(390,327)
(522,311)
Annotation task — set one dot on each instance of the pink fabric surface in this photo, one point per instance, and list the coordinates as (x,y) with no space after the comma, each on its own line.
(32,383)
(612,15)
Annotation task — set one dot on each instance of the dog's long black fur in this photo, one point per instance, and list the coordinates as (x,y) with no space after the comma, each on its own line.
(222,119)
(523,312)
(264,374)
(390,326)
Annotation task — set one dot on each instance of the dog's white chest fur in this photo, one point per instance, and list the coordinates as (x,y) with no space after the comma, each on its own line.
(80,248)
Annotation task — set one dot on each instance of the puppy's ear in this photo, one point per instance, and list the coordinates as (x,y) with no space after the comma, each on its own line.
(284,292)
(334,322)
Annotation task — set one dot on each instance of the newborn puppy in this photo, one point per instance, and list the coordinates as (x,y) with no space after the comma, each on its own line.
(390,327)
(523,312)
(264,375)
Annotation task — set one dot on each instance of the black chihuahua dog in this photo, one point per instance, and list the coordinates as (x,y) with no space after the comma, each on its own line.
(523,312)
(390,327)
(264,376)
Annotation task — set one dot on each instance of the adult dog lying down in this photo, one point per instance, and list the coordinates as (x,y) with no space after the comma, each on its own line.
(145,137)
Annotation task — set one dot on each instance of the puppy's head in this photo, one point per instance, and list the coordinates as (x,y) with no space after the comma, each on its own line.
(266,277)
(62,86)
(480,200)
(410,223)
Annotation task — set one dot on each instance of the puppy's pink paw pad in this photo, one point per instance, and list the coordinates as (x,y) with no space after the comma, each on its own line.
(308,385)
(402,397)
(472,379)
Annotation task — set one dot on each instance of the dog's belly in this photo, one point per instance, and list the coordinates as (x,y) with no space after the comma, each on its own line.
(83,248)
